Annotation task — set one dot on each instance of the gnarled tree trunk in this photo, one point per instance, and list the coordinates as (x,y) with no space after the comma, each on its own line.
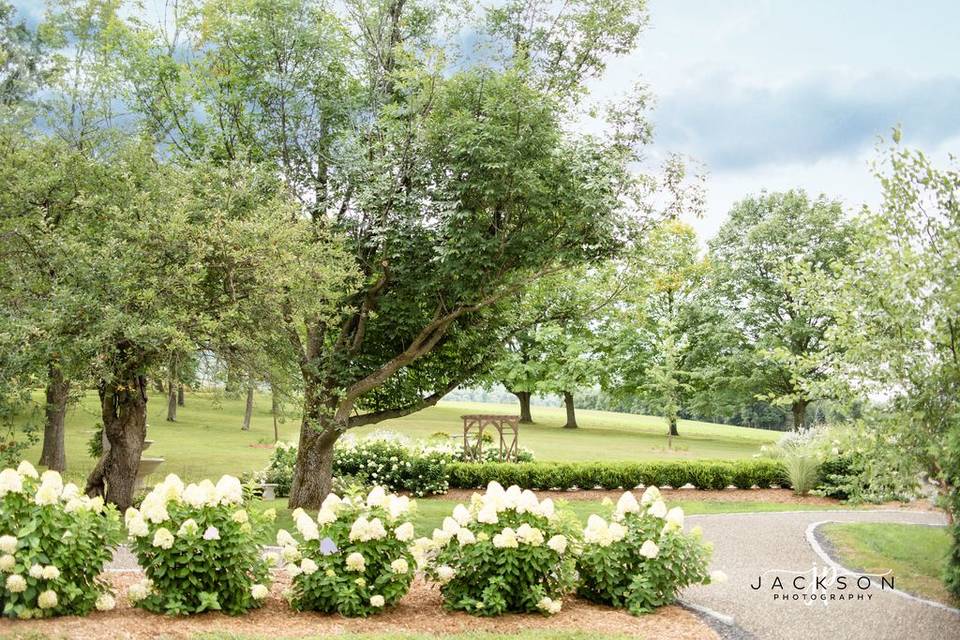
(248,412)
(571,411)
(54,454)
(799,410)
(123,409)
(313,473)
(180,398)
(673,426)
(524,397)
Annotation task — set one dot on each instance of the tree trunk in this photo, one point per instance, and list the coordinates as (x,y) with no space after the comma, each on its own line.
(524,397)
(313,472)
(248,413)
(673,426)
(274,410)
(571,412)
(54,454)
(158,385)
(799,415)
(180,399)
(171,402)
(123,408)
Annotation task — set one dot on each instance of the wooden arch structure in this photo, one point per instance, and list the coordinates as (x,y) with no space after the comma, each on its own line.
(507,429)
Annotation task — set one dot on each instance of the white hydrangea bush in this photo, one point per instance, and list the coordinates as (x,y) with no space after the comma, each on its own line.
(507,551)
(54,543)
(641,558)
(198,547)
(354,558)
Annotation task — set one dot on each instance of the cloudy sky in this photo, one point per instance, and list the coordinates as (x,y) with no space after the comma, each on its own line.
(777,94)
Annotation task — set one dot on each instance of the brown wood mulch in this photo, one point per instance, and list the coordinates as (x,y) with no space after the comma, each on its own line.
(420,612)
(778,496)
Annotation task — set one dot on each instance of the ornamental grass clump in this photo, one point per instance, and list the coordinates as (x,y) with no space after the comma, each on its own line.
(54,543)
(354,559)
(197,546)
(507,551)
(641,558)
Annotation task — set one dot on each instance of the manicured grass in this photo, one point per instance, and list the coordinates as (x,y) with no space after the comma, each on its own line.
(206,440)
(916,554)
(431,511)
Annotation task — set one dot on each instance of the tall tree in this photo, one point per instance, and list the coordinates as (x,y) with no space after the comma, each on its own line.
(455,184)
(768,244)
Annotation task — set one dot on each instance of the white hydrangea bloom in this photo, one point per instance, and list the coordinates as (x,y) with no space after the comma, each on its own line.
(529,535)
(106,602)
(488,515)
(8,544)
(50,572)
(558,543)
(137,528)
(462,515)
(651,494)
(376,497)
(549,605)
(16,583)
(47,599)
(212,533)
(189,527)
(140,590)
(445,573)
(10,482)
(7,562)
(398,505)
(527,502)
(308,567)
(628,503)
(284,539)
(506,539)
(259,591)
(332,502)
(272,558)
(399,566)
(308,528)
(465,537)
(70,491)
(440,537)
(229,490)
(450,526)
(658,509)
(27,469)
(163,538)
(617,531)
(377,601)
(241,516)
(326,516)
(293,570)
(355,562)
(46,495)
(52,478)
(674,518)
(36,571)
(649,549)
(290,554)
(547,509)
(404,533)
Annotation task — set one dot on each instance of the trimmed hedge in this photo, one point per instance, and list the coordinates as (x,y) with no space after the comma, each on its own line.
(703,474)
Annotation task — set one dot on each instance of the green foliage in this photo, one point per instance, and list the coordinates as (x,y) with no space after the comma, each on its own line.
(743,474)
(54,543)
(354,559)
(642,558)
(198,547)
(506,552)
(802,472)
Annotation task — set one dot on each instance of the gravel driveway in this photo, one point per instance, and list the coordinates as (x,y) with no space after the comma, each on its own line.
(772,545)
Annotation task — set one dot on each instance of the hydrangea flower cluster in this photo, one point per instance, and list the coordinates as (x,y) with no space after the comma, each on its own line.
(197,544)
(641,558)
(354,558)
(54,542)
(506,551)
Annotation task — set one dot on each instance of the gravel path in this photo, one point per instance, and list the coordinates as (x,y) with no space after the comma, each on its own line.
(771,545)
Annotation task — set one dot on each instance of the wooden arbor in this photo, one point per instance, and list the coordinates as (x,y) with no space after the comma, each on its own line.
(506,427)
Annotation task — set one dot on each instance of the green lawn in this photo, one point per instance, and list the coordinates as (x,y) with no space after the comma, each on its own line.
(431,511)
(915,553)
(206,441)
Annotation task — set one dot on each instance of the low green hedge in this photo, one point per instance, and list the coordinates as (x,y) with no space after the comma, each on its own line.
(703,474)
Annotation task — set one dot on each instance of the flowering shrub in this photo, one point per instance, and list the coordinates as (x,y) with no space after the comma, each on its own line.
(642,557)
(507,551)
(354,559)
(54,543)
(197,545)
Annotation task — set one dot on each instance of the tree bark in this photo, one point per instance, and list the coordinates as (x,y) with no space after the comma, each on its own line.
(158,385)
(123,408)
(54,454)
(524,397)
(248,413)
(274,410)
(171,402)
(799,410)
(673,426)
(571,411)
(180,397)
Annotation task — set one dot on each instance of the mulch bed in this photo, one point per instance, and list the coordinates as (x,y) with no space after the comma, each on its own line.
(778,496)
(420,612)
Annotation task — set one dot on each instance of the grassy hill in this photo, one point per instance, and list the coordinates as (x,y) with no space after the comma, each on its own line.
(206,441)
